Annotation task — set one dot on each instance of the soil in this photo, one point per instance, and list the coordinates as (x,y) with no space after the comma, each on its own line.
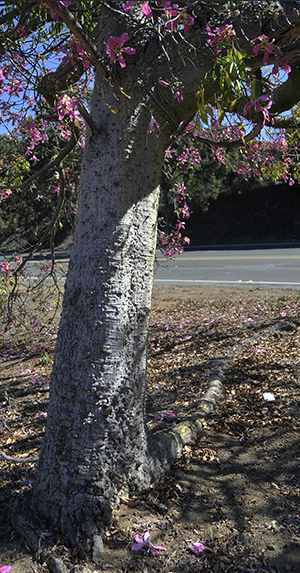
(236,488)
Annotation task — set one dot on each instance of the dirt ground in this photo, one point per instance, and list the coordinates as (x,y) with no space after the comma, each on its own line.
(236,489)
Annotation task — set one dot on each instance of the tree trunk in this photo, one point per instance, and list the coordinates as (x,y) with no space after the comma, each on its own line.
(96,441)
(96,446)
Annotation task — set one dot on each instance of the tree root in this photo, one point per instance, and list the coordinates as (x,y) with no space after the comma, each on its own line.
(19,460)
(169,444)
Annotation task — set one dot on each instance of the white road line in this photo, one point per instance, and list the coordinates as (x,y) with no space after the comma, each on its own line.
(231,258)
(190,281)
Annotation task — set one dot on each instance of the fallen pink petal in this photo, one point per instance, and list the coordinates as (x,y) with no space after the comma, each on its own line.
(197,548)
(142,542)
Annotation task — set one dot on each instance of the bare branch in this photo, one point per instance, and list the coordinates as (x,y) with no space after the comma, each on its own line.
(236,142)
(86,116)
(87,43)
(50,226)
(63,153)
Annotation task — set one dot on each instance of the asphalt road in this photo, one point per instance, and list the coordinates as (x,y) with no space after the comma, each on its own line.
(232,266)
(269,267)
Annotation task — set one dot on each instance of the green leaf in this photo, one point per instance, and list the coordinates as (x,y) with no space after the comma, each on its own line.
(221,114)
(256,89)
(232,104)
(228,80)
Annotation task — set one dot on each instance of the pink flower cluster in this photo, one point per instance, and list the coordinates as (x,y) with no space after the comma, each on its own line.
(66,108)
(220,37)
(172,18)
(32,133)
(264,44)
(174,243)
(6,268)
(189,156)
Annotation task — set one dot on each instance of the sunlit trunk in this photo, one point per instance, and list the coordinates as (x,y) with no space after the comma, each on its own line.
(96,442)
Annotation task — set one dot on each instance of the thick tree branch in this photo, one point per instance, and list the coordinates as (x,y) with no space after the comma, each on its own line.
(287,94)
(59,81)
(86,116)
(284,122)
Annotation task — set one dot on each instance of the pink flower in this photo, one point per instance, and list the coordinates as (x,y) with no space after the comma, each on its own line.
(144,6)
(180,225)
(114,49)
(163,239)
(176,87)
(259,351)
(42,414)
(185,211)
(163,83)
(146,10)
(265,45)
(174,17)
(5,568)
(168,153)
(128,6)
(153,125)
(256,103)
(186,20)
(65,106)
(163,414)
(197,548)
(284,65)
(220,36)
(143,541)
(5,269)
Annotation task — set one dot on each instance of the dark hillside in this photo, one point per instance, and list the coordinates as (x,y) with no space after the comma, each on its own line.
(268,214)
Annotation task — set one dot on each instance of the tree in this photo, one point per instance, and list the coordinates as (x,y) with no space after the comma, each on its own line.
(97,445)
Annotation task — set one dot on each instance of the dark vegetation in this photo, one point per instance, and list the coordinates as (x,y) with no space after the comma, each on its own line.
(249,214)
